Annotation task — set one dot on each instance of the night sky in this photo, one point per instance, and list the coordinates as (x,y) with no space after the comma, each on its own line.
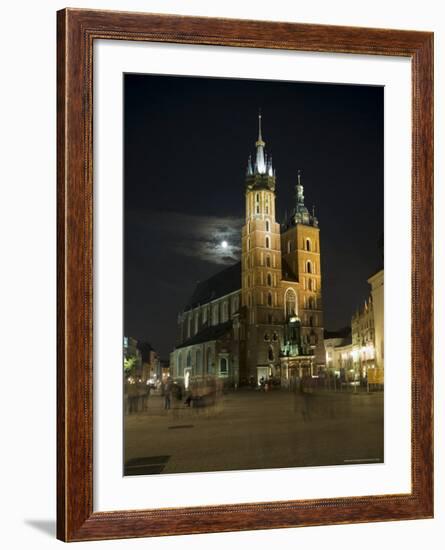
(186,144)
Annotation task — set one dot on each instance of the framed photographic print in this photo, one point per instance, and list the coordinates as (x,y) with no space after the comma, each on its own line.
(245,230)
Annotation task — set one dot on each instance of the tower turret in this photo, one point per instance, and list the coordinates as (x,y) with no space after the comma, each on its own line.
(300,213)
(260,174)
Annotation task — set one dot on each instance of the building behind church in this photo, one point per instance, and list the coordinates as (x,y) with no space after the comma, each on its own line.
(358,357)
(262,317)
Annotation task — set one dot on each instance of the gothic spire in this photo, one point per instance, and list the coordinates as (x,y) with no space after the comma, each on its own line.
(301,213)
(260,137)
(260,172)
(260,163)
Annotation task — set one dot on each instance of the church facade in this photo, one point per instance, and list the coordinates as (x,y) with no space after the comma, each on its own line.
(262,317)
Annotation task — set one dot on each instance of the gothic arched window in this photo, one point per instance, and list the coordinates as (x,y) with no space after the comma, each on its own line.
(269,279)
(268,261)
(225,312)
(215,314)
(209,361)
(270,354)
(308,245)
(198,362)
(290,303)
(309,267)
(189,326)
(267,242)
(267,225)
(269,298)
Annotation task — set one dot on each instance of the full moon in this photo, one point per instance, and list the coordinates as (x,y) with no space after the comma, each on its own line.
(224,244)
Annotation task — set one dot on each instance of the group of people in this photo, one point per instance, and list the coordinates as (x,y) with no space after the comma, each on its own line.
(137,394)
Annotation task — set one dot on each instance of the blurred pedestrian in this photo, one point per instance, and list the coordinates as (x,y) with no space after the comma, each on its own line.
(133,397)
(168,394)
(146,396)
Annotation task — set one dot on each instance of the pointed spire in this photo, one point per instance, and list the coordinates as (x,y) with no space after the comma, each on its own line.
(260,137)
(260,163)
(301,213)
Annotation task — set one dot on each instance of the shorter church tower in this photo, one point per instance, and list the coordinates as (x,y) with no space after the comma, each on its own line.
(300,242)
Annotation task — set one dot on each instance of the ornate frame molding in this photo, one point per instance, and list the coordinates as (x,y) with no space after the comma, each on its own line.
(77,30)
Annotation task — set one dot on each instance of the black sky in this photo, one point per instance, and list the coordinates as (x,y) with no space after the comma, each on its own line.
(186,144)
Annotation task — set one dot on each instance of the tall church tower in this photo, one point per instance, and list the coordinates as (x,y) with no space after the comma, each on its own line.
(300,241)
(261,265)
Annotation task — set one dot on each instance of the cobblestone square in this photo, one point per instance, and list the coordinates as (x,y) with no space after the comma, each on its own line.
(250,429)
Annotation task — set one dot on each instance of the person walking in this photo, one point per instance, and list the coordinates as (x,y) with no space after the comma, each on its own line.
(146,396)
(133,397)
(168,394)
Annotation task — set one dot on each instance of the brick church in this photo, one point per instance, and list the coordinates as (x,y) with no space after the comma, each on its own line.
(262,317)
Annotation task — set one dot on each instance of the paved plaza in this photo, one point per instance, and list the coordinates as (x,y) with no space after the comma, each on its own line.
(250,429)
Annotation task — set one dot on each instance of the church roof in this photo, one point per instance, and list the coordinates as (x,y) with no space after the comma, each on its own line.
(225,282)
(207,334)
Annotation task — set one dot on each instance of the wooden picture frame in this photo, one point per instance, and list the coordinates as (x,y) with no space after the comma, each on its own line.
(77,31)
